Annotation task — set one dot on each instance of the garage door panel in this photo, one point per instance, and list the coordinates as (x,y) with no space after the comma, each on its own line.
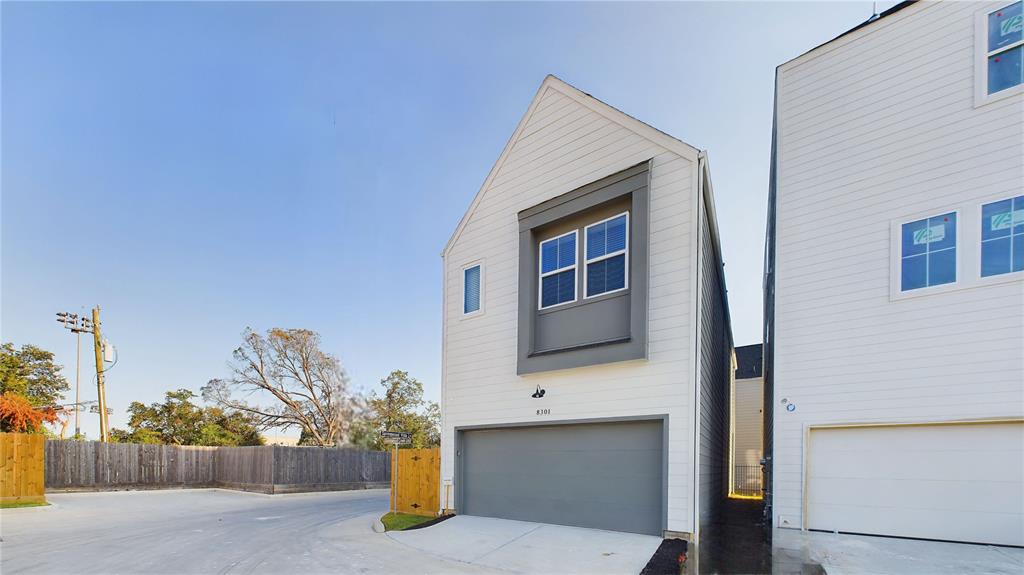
(999,528)
(990,496)
(621,517)
(962,482)
(572,488)
(980,464)
(628,464)
(606,476)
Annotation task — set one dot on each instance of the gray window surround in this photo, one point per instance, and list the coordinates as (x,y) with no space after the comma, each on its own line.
(563,324)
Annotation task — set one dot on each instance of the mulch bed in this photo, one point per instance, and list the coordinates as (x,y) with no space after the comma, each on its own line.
(433,521)
(668,559)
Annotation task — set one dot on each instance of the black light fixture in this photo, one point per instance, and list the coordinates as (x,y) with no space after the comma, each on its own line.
(538,394)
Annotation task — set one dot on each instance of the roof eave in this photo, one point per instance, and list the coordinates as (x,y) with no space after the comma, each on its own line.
(614,114)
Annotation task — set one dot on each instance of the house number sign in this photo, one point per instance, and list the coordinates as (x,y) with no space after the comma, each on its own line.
(544,412)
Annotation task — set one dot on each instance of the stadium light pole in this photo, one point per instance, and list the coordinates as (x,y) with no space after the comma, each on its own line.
(77,325)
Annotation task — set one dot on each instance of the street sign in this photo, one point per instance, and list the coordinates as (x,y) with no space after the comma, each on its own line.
(96,409)
(396,437)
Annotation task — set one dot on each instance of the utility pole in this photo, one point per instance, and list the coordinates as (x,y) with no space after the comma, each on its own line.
(77,325)
(97,339)
(78,379)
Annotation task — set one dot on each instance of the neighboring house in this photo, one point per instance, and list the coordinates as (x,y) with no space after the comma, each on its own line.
(586,328)
(894,279)
(747,421)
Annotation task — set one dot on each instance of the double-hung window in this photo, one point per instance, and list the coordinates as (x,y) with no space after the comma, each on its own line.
(607,255)
(1002,237)
(1004,48)
(558,270)
(471,289)
(928,252)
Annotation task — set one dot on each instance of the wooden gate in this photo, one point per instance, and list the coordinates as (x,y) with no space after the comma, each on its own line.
(416,480)
(21,468)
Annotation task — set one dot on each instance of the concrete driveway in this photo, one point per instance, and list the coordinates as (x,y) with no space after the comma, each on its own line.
(209,531)
(841,554)
(523,547)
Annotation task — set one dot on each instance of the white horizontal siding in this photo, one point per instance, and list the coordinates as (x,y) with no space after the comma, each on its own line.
(872,128)
(748,422)
(563,146)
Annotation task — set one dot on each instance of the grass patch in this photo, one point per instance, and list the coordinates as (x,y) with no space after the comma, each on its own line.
(16,504)
(400,521)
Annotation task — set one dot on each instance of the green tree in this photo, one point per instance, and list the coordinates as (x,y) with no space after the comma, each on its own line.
(364,433)
(401,408)
(179,421)
(31,373)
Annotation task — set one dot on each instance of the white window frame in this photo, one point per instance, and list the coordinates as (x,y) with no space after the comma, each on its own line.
(479,310)
(588,261)
(981,55)
(896,255)
(541,274)
(997,278)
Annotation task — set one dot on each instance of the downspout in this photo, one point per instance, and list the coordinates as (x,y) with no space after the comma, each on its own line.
(699,191)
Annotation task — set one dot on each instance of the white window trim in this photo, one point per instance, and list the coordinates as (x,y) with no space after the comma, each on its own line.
(588,261)
(981,54)
(541,274)
(480,310)
(896,255)
(998,278)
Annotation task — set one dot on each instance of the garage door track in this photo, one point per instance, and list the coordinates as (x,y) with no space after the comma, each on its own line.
(525,547)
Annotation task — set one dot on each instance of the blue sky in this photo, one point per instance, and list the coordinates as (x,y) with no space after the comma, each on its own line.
(199,168)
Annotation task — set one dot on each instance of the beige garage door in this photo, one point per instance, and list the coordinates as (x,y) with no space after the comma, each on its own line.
(962,482)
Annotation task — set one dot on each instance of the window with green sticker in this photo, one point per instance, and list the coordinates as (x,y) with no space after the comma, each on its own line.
(1002,237)
(1004,48)
(928,252)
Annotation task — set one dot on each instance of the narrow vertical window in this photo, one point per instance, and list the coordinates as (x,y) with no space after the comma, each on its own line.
(558,270)
(471,289)
(1004,48)
(607,245)
(928,252)
(1002,237)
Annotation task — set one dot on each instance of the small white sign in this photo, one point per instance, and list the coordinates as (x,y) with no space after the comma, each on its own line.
(1006,220)
(930,234)
(396,437)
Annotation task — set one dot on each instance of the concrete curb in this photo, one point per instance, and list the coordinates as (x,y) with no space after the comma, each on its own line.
(378,527)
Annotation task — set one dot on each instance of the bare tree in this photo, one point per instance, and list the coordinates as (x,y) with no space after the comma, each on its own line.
(286,381)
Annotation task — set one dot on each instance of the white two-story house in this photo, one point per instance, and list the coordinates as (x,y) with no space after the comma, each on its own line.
(587,344)
(894,343)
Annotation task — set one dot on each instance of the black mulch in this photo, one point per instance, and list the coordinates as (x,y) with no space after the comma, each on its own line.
(665,560)
(433,521)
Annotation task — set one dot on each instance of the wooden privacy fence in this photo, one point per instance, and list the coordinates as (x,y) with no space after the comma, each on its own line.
(283,469)
(417,483)
(245,468)
(96,465)
(21,468)
(306,469)
(92,465)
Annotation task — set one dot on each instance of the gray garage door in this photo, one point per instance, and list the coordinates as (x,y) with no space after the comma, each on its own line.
(603,476)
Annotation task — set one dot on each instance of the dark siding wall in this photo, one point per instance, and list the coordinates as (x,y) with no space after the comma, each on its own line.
(769,330)
(715,367)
